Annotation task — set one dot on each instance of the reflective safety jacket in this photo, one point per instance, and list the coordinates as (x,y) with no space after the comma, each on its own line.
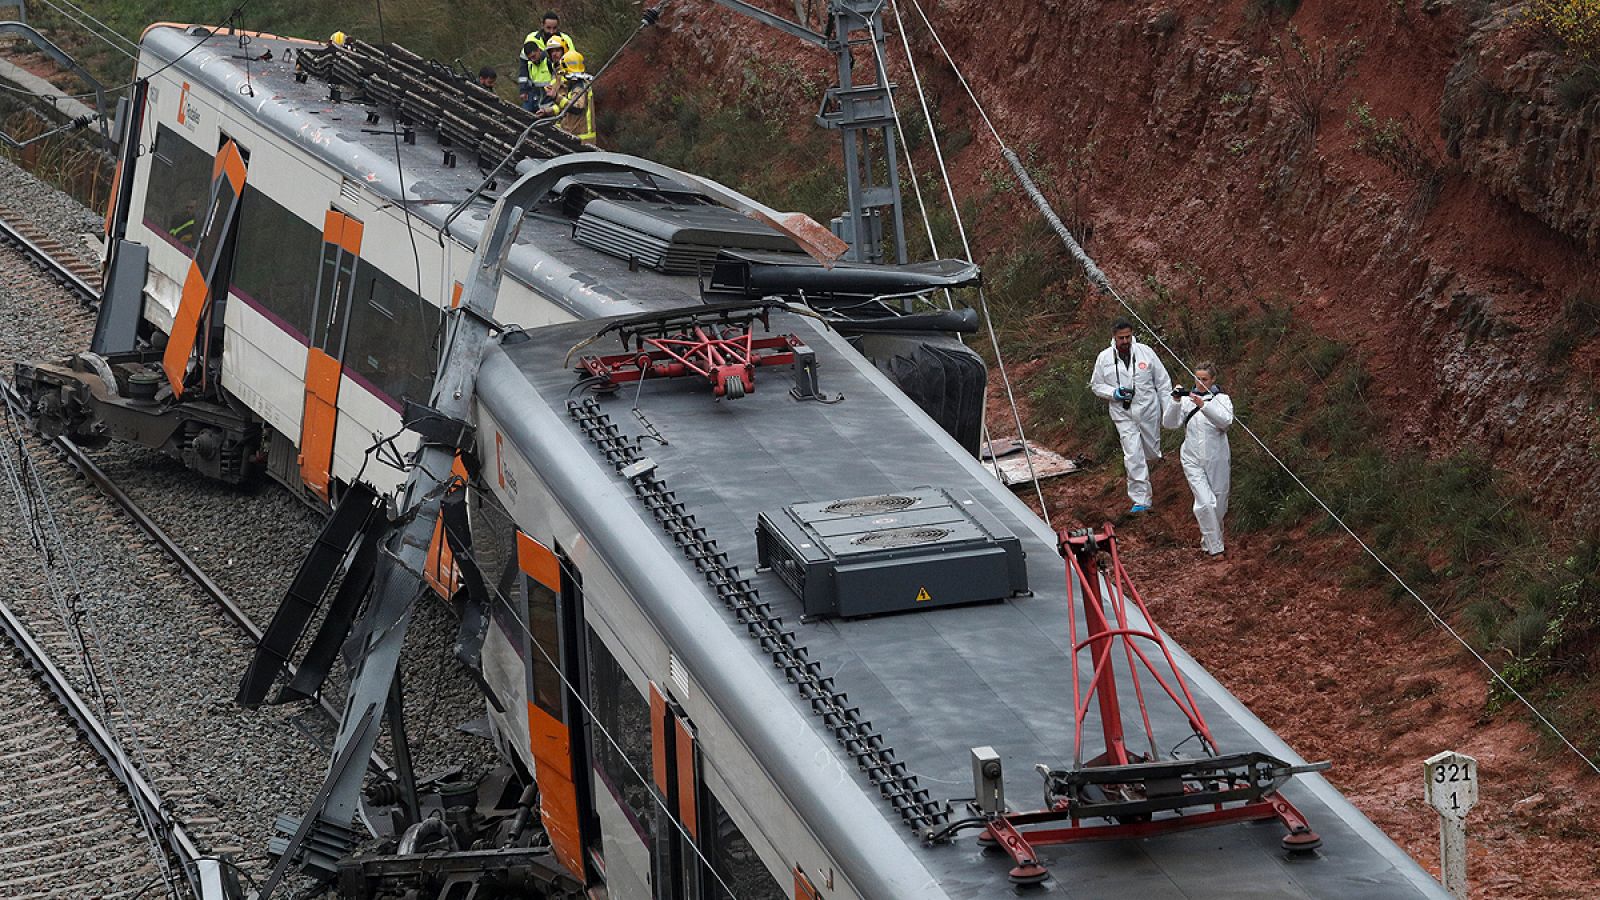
(577,116)
(537,72)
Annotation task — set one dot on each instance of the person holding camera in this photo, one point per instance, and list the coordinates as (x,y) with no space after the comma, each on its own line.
(1204,413)
(1131,379)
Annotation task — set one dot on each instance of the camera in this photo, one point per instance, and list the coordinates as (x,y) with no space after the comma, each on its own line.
(1178,393)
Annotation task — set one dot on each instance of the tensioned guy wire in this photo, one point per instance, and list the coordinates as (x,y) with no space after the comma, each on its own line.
(983,299)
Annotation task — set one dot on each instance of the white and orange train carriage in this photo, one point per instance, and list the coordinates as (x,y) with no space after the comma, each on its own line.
(749,616)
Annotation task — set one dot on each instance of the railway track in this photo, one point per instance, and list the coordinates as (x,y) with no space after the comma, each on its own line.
(82,279)
(93,838)
(64,267)
(182,805)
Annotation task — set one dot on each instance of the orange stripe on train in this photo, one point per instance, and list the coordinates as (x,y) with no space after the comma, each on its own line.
(558,797)
(321,416)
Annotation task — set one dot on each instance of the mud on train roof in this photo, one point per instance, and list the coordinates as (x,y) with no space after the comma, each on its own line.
(843,464)
(600,243)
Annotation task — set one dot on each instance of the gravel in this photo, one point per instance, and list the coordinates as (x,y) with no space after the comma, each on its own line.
(57,213)
(91,843)
(172,657)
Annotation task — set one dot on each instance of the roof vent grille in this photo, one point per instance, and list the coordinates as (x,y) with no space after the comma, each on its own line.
(673,238)
(349,190)
(901,537)
(861,506)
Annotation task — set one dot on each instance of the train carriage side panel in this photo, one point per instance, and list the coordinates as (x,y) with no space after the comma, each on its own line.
(274,278)
(387,352)
(171,191)
(291,186)
(769,817)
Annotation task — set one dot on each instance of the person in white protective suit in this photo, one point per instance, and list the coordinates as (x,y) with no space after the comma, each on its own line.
(1130,378)
(1204,414)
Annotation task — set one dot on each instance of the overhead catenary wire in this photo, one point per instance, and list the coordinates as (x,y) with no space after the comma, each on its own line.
(229,21)
(400,176)
(446,482)
(983,300)
(64,584)
(1096,275)
(985,437)
(100,32)
(651,16)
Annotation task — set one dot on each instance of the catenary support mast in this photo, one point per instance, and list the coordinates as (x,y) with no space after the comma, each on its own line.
(863,115)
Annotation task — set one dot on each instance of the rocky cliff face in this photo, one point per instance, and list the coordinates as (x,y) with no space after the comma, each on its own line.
(1525,123)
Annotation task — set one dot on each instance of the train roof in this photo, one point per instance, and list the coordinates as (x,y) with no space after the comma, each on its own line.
(934,682)
(639,250)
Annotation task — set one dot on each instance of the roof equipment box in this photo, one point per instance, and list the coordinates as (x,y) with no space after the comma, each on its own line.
(891,552)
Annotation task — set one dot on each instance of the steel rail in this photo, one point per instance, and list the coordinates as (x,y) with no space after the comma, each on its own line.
(11,234)
(198,869)
(81,461)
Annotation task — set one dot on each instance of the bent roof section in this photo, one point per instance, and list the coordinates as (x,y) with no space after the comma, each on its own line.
(587,283)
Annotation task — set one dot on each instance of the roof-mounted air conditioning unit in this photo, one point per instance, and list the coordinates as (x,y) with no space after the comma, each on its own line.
(891,552)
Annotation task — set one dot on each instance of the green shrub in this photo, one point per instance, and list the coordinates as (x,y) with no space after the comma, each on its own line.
(1573,23)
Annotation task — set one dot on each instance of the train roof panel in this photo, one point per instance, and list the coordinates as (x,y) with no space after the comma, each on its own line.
(555,251)
(935,682)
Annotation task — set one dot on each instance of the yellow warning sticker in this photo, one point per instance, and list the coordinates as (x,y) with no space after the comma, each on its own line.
(922,594)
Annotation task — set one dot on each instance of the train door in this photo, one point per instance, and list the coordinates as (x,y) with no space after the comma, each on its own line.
(674,769)
(699,853)
(330,313)
(207,267)
(556,723)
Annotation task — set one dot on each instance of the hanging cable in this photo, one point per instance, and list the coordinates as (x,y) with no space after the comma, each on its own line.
(1100,279)
(400,174)
(649,18)
(63,583)
(985,436)
(983,300)
(231,21)
(100,32)
(574,693)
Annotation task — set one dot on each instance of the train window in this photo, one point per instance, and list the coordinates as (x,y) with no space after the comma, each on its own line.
(392,337)
(732,857)
(275,263)
(621,712)
(179,189)
(544,625)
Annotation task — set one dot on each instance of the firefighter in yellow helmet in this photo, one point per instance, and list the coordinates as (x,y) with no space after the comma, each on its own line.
(576,105)
(555,51)
(338,37)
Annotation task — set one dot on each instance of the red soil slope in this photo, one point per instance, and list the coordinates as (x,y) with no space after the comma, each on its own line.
(1209,140)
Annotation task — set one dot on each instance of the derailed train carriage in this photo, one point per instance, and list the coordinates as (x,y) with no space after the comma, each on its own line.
(749,621)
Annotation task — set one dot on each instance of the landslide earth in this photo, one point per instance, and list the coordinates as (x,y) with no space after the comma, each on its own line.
(1414,179)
